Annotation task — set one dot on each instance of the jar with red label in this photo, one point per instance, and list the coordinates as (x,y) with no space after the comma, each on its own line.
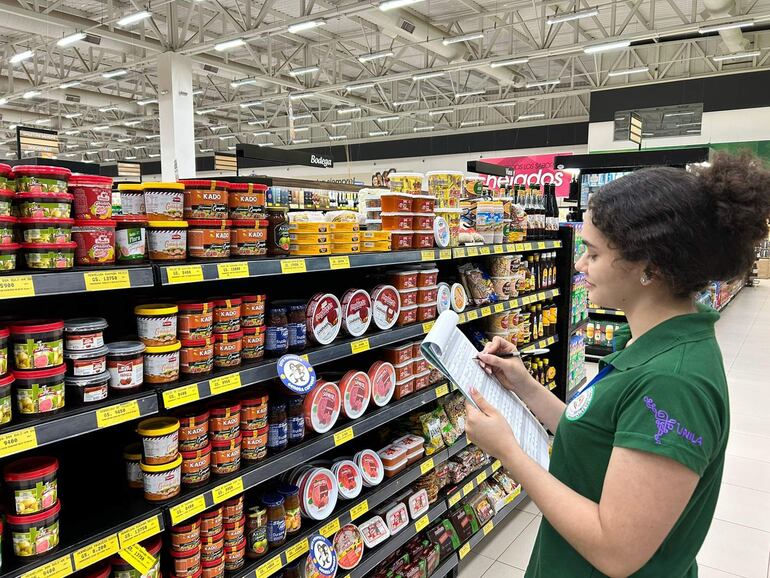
(254,444)
(195,319)
(227,349)
(187,535)
(95,241)
(208,238)
(227,315)
(226,456)
(278,240)
(93,196)
(193,430)
(234,527)
(213,546)
(235,556)
(196,356)
(213,568)
(186,563)
(254,410)
(125,362)
(232,510)
(253,347)
(212,523)
(252,310)
(196,466)
(248,237)
(246,200)
(205,199)
(224,420)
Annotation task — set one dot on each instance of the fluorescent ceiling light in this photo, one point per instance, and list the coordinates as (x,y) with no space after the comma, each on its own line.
(125,139)
(21,56)
(405,102)
(302,129)
(265,144)
(146,101)
(341,124)
(301,141)
(108,109)
(250,104)
(607,46)
(197,91)
(101,127)
(130,158)
(392,4)
(198,140)
(207,150)
(470,93)
(427,75)
(338,137)
(243,82)
(205,111)
(96,143)
(66,85)
(567,16)
(350,110)
(114,150)
(543,83)
(31,94)
(229,45)
(231,148)
(132,122)
(302,116)
(152,136)
(153,155)
(683,124)
(43,121)
(71,39)
(226,136)
(114,73)
(91,152)
(648,134)
(504,103)
(509,62)
(375,56)
(256,122)
(3,101)
(73,115)
(68,155)
(264,133)
(305,70)
(628,71)
(736,56)
(531,116)
(668,114)
(387,118)
(310,24)
(300,95)
(378,133)
(422,128)
(364,86)
(442,111)
(217,126)
(71,133)
(693,131)
(729,26)
(133,18)
(471,123)
(462,38)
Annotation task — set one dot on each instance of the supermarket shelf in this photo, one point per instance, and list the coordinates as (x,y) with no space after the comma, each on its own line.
(73,421)
(471,482)
(362,505)
(539,344)
(482,250)
(194,501)
(571,393)
(473,314)
(579,325)
(31,284)
(597,352)
(80,546)
(610,312)
(449,564)
(726,303)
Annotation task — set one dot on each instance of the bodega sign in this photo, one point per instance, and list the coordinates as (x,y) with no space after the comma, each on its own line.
(319,161)
(531,170)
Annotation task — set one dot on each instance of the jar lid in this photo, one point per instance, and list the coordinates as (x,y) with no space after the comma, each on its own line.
(272,499)
(195,305)
(40,373)
(133,452)
(163,467)
(222,223)
(6,192)
(44,221)
(11,220)
(225,337)
(95,223)
(5,169)
(125,347)
(7,380)
(441,232)
(176,346)
(130,219)
(35,518)
(30,468)
(252,298)
(174,186)
(156,309)
(10,247)
(197,183)
(86,380)
(135,187)
(253,330)
(227,302)
(42,170)
(157,426)
(246,187)
(85,324)
(78,179)
(37,326)
(227,444)
(196,342)
(47,196)
(250,223)
(87,354)
(49,246)
(167,224)
(288,490)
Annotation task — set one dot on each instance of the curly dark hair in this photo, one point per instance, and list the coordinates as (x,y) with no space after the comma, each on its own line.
(691,227)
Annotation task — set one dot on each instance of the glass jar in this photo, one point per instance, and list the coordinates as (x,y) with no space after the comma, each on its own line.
(256,532)
(297,326)
(290,494)
(277,436)
(296,419)
(277,333)
(276,519)
(277,232)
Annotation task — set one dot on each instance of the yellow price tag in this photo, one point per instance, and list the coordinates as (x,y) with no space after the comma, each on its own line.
(305,357)
(472,251)
(296,551)
(187,509)
(16,286)
(454,499)
(508,499)
(619,312)
(139,558)
(428,255)
(359,510)
(519,246)
(427,326)
(464,550)
(181,396)
(498,249)
(496,465)
(270,567)
(115,414)
(468,488)
(103,280)
(293,266)
(488,527)
(425,467)
(445,254)
(462,318)
(17,441)
(139,532)
(331,528)
(499,307)
(486,311)
(343,436)
(57,569)
(541,245)
(552,386)
(227,490)
(184,274)
(442,390)
(484,251)
(94,552)
(360,346)
(460,253)
(340,262)
(233,270)
(481,477)
(527,300)
(421,524)
(472,315)
(225,383)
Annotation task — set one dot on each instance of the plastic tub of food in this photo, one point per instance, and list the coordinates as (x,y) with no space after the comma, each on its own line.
(160,439)
(227,349)
(502,286)
(404,387)
(234,525)
(246,200)
(459,298)
(235,556)
(310,238)
(382,376)
(162,482)
(41,179)
(130,239)
(132,455)
(423,222)
(418,503)
(423,204)
(193,430)
(310,227)
(323,318)
(345,248)
(8,256)
(253,345)
(34,535)
(393,202)
(43,230)
(349,482)
(403,370)
(310,250)
(322,407)
(232,511)
(254,444)
(84,333)
(4,335)
(414,445)
(196,466)
(167,240)
(212,523)
(226,456)
(51,256)
(39,391)
(375,246)
(318,493)
(349,546)
(164,201)
(392,455)
(397,222)
(225,419)
(186,563)
(196,356)
(407,315)
(187,535)
(401,240)
(422,240)
(6,404)
(88,388)
(356,312)
(420,364)
(254,408)
(30,484)
(213,568)
(208,238)
(443,297)
(345,238)
(44,205)
(205,199)
(125,362)
(396,354)
(356,390)
(252,310)
(422,380)
(227,315)
(406,182)
(426,295)
(93,196)
(248,237)
(156,323)
(370,466)
(37,344)
(386,305)
(6,199)
(6,230)
(374,531)
(406,279)
(426,312)
(397,518)
(195,319)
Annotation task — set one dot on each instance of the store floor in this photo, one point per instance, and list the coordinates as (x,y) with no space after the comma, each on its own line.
(738,543)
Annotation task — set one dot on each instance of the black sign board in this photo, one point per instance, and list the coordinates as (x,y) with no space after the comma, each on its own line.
(284,156)
(489,169)
(44,143)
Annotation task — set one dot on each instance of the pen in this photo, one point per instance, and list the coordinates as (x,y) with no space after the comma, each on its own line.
(512,354)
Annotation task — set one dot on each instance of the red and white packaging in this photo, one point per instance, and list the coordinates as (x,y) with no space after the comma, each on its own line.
(374,531)
(418,503)
(356,390)
(322,406)
(382,376)
(370,464)
(349,480)
(356,312)
(386,305)
(318,491)
(323,318)
(397,518)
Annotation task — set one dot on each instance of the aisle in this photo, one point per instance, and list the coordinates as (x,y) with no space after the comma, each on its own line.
(738,543)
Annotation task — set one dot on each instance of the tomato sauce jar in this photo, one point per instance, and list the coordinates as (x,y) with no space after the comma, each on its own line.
(193,430)
(227,349)
(226,456)
(227,315)
(195,319)
(208,238)
(205,199)
(224,420)
(93,196)
(125,362)
(196,356)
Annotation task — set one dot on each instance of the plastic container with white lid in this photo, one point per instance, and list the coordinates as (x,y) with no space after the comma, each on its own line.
(318,493)
(396,468)
(370,465)
(403,370)
(392,455)
(443,298)
(322,407)
(356,391)
(349,480)
(397,518)
(374,531)
(408,297)
(459,298)
(418,503)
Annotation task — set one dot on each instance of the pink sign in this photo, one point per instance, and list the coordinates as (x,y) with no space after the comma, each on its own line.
(536,169)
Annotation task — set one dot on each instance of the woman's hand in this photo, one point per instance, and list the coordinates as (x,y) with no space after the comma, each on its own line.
(511,372)
(488,429)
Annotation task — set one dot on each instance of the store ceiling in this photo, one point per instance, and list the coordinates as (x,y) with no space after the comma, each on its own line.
(370,81)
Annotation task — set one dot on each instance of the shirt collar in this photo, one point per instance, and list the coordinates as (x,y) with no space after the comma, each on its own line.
(672,332)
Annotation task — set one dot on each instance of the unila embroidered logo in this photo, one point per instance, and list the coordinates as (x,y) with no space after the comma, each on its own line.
(667,424)
(578,406)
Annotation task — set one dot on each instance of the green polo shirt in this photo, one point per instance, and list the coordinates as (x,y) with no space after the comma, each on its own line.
(666,394)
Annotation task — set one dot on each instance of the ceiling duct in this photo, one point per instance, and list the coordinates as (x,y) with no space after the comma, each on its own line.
(733,39)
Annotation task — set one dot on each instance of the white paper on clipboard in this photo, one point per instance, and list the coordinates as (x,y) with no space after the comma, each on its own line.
(449,350)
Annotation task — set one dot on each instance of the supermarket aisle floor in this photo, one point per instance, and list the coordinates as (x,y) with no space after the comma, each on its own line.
(738,543)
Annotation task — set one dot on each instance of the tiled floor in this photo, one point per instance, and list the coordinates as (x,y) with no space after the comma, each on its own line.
(738,543)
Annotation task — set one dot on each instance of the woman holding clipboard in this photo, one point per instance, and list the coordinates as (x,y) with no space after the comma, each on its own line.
(638,454)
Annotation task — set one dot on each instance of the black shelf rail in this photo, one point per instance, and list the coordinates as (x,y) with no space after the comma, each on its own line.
(524,247)
(33,284)
(75,421)
(608,312)
(579,325)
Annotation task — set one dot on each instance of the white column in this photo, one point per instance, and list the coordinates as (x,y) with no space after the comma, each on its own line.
(175,101)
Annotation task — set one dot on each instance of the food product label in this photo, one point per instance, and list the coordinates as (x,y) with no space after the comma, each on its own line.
(270,567)
(181,396)
(139,558)
(386,308)
(31,354)
(162,367)
(57,569)
(422,523)
(228,490)
(296,428)
(104,280)
(296,551)
(297,335)
(359,346)
(170,204)
(17,441)
(276,339)
(187,509)
(35,499)
(95,552)
(358,312)
(6,410)
(139,532)
(289,266)
(277,435)
(340,262)
(224,383)
(343,436)
(325,318)
(232,270)
(125,374)
(164,446)
(163,485)
(359,510)
(115,414)
(331,528)
(488,527)
(40,398)
(131,244)
(442,390)
(276,530)
(184,274)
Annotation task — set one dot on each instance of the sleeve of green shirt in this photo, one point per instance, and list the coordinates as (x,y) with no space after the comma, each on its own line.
(666,415)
